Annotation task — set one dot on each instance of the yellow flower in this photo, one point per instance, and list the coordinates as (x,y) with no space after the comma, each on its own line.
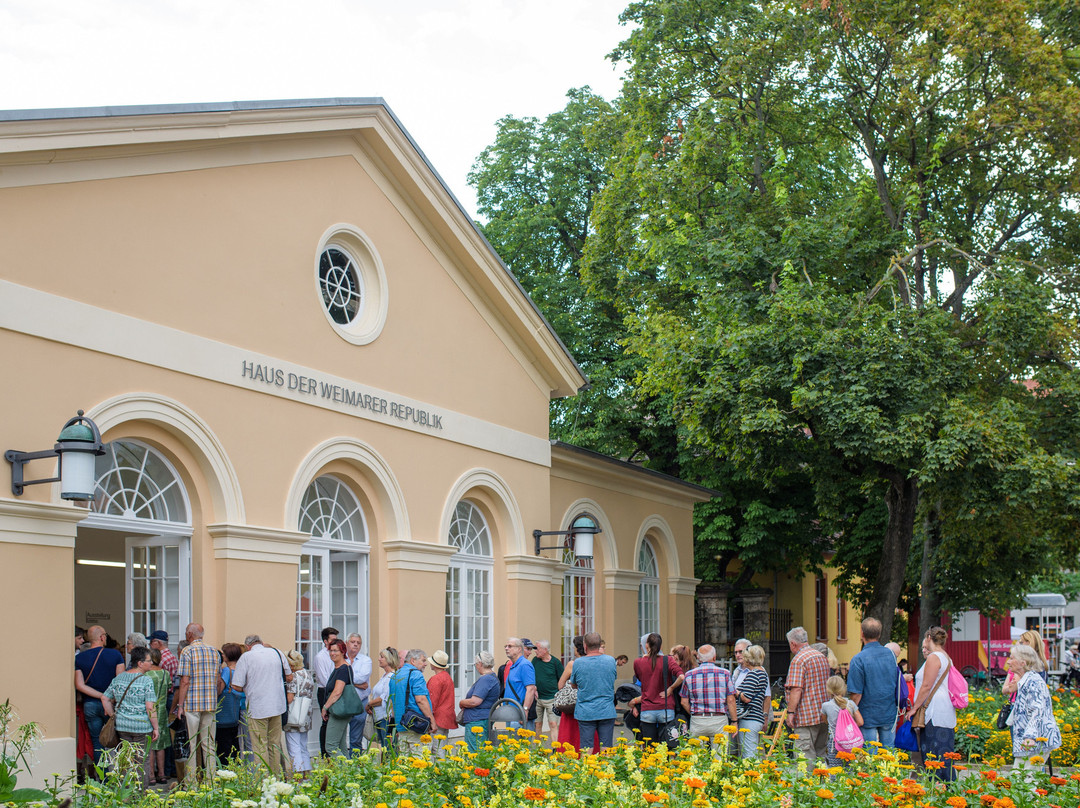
(425,739)
(399,778)
(400,791)
(405,804)
(477,730)
(522,757)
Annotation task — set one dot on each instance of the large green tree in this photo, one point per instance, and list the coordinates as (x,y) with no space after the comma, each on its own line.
(843,236)
(536,186)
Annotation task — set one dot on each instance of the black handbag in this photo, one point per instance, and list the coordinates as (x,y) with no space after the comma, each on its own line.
(412,720)
(1003,715)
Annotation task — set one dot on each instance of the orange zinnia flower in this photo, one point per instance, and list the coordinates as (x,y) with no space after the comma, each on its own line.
(694,782)
(956,802)
(481,772)
(824,793)
(952,756)
(536,794)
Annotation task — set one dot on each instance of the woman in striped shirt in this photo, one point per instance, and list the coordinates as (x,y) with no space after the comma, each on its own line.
(750,707)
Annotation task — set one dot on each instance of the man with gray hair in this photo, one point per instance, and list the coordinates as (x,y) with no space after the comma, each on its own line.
(548,669)
(196,701)
(260,674)
(708,694)
(361,676)
(408,691)
(805,687)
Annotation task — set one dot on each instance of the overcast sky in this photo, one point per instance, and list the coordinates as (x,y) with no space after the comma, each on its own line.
(448,68)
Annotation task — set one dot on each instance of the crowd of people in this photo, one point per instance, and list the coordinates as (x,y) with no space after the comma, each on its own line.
(188,713)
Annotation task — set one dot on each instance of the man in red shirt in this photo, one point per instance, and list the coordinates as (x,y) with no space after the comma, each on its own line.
(805,688)
(441,688)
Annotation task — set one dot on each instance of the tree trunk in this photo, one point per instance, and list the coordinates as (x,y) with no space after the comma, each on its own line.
(929,602)
(902,500)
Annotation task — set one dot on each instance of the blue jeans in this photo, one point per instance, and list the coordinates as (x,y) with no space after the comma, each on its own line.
(886,736)
(382,730)
(94,714)
(356,732)
(749,740)
(604,729)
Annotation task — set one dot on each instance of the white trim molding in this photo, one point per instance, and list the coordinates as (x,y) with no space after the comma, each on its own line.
(192,431)
(626,580)
(250,543)
(492,483)
(683,586)
(534,568)
(418,556)
(395,516)
(59,319)
(41,523)
(662,535)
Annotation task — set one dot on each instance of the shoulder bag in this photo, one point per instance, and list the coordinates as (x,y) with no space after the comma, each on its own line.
(565,700)
(299,711)
(108,738)
(918,718)
(413,720)
(228,705)
(349,704)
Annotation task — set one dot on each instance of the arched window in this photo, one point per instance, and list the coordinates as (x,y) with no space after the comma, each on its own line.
(135,482)
(468,593)
(648,590)
(332,586)
(577,594)
(139,495)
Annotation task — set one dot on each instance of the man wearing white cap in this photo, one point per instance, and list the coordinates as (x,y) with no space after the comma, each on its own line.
(441,688)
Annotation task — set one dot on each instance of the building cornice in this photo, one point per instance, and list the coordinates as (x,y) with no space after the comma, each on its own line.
(418,556)
(40,523)
(250,543)
(628,580)
(683,586)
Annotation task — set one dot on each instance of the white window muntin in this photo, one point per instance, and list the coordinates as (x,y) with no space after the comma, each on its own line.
(648,591)
(469,618)
(333,579)
(138,489)
(578,594)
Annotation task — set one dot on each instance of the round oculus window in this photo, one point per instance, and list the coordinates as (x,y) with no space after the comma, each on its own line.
(340,285)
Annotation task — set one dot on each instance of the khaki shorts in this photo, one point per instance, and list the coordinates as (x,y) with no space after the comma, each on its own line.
(546,719)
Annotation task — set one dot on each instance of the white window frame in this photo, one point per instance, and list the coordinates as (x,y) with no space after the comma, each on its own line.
(462,649)
(335,551)
(648,590)
(145,532)
(579,588)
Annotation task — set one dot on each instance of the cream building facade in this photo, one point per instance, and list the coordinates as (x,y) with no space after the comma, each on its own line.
(324,396)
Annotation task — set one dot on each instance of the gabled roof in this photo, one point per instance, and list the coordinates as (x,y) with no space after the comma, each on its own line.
(38,136)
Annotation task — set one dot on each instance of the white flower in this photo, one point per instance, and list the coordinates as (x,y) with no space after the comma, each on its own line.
(225,774)
(301,799)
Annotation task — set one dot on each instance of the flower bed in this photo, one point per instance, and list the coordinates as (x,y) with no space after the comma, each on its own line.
(520,772)
(978,738)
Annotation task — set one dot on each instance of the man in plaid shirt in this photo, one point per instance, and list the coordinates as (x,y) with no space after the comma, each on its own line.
(805,688)
(708,695)
(197,698)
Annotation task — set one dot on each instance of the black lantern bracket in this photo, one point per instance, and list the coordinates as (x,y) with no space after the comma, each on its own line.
(570,543)
(79,434)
